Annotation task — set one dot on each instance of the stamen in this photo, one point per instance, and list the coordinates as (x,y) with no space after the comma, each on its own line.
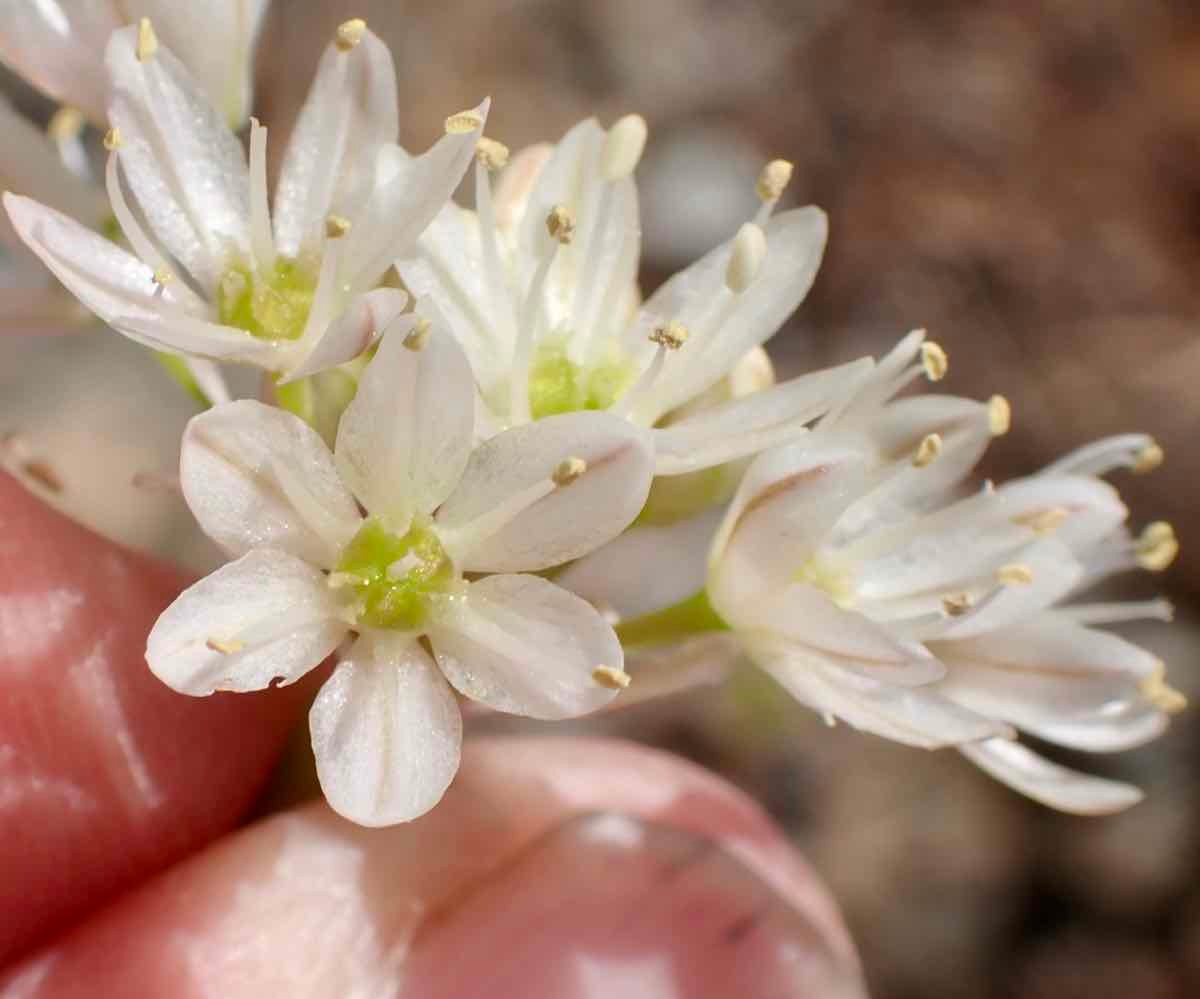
(418,336)
(612,678)
(495,285)
(349,34)
(1157,546)
(225,646)
(999,415)
(336,226)
(262,239)
(672,336)
(560,223)
(774,179)
(625,405)
(1148,458)
(1015,574)
(147,41)
(568,470)
(460,541)
(464,122)
(1159,693)
(957,604)
(1043,521)
(934,361)
(140,242)
(65,124)
(163,277)
(623,147)
(112,139)
(492,154)
(749,252)
(928,450)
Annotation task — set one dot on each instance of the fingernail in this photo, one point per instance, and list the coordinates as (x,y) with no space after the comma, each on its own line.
(608,905)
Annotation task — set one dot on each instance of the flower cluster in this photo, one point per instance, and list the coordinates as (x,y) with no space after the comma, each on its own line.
(480,466)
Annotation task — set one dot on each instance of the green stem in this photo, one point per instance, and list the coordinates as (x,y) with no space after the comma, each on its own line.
(683,620)
(177,368)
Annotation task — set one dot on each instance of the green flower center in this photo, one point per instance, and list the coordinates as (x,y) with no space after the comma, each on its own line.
(559,385)
(273,306)
(396,580)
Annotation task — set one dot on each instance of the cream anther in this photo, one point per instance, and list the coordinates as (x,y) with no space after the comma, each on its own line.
(1156,546)
(1161,694)
(66,123)
(336,226)
(464,122)
(568,470)
(560,223)
(623,147)
(492,154)
(1148,458)
(112,139)
(672,335)
(349,34)
(147,41)
(613,679)
(1015,574)
(774,179)
(928,450)
(934,361)
(226,647)
(418,336)
(999,415)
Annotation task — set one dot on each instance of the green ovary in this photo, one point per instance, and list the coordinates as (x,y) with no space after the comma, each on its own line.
(420,575)
(559,385)
(273,306)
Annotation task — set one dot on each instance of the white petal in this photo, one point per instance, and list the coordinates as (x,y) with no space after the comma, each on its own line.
(560,180)
(525,646)
(386,732)
(1067,790)
(352,332)
(401,207)
(1093,507)
(645,569)
(266,616)
(179,333)
(186,168)
(761,420)
(350,113)
(568,522)
(517,182)
(256,476)
(403,442)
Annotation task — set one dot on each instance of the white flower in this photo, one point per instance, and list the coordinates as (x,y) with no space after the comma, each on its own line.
(311,568)
(294,294)
(540,286)
(853,571)
(56,45)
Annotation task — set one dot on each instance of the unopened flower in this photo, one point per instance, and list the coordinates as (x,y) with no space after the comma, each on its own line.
(429,579)
(293,291)
(540,286)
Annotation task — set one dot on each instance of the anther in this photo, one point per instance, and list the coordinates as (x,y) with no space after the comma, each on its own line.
(66,123)
(336,226)
(749,251)
(418,336)
(1015,574)
(1148,458)
(163,277)
(774,179)
(464,122)
(226,647)
(999,415)
(560,223)
(957,604)
(613,679)
(928,450)
(1161,694)
(147,40)
(1044,521)
(673,335)
(568,470)
(112,139)
(934,361)
(492,154)
(349,34)
(623,147)
(1156,546)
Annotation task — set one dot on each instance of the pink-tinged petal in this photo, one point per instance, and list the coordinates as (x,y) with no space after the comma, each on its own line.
(184,165)
(256,476)
(349,115)
(386,732)
(566,522)
(352,332)
(403,442)
(1052,785)
(265,617)
(523,645)
(517,182)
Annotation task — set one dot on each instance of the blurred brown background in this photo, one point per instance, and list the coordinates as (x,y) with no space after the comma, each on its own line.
(1022,178)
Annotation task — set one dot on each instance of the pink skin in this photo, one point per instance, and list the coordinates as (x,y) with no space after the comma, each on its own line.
(553,868)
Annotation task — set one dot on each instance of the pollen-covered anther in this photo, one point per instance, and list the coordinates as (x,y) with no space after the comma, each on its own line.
(464,122)
(163,277)
(1015,574)
(1160,693)
(349,34)
(1156,546)
(568,470)
(612,678)
(749,252)
(418,336)
(492,154)
(112,139)
(672,335)
(66,123)
(957,604)
(773,180)
(999,416)
(560,223)
(147,41)
(225,646)
(1148,458)
(934,361)
(928,450)
(1044,521)
(623,147)
(336,226)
